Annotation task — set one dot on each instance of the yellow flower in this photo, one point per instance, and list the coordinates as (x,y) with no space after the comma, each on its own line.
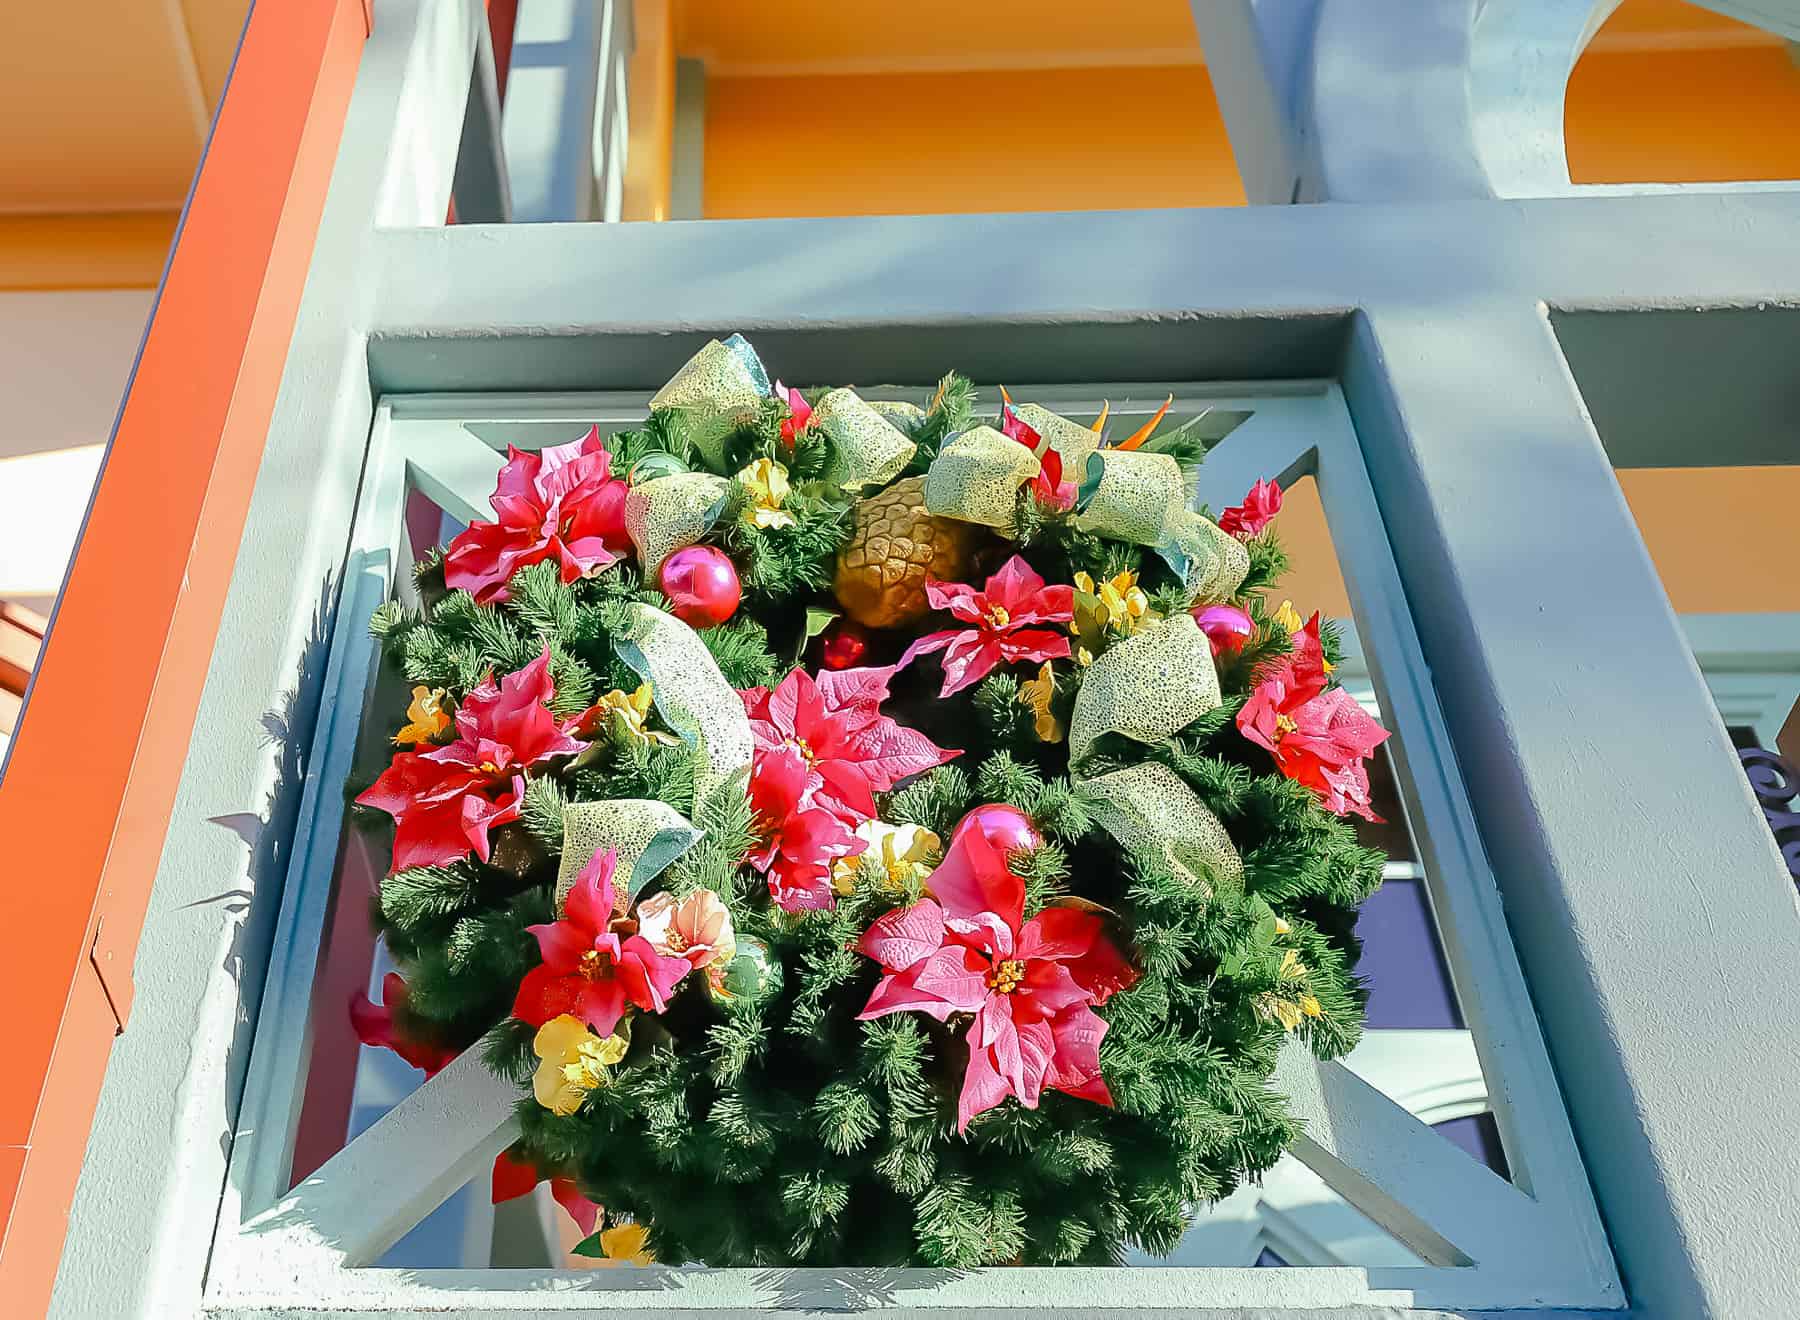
(1282,928)
(1084,657)
(428,715)
(1292,969)
(1289,617)
(627,715)
(1289,1015)
(624,1245)
(767,482)
(905,853)
(575,1061)
(1037,693)
(1118,606)
(1310,1006)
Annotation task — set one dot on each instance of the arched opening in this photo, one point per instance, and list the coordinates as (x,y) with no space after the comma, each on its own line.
(1669,92)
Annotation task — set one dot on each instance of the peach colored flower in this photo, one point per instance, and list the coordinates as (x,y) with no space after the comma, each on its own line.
(697,927)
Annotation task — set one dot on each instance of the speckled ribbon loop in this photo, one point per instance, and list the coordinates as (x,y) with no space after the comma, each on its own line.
(691,694)
(721,385)
(666,513)
(976,477)
(1146,687)
(1211,561)
(1148,808)
(1070,439)
(1142,498)
(867,449)
(646,835)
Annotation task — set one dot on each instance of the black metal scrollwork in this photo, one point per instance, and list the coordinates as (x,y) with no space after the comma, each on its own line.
(1776,783)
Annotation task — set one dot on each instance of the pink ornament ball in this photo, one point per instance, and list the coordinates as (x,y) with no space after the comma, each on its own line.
(1006,827)
(1226,627)
(701,585)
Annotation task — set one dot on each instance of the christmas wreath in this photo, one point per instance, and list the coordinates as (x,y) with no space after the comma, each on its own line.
(868,834)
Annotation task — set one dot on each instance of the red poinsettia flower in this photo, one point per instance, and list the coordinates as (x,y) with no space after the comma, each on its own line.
(1318,737)
(1048,486)
(561,503)
(591,970)
(1259,507)
(514,1177)
(445,801)
(374,1025)
(441,813)
(1031,985)
(799,410)
(797,842)
(1003,613)
(836,725)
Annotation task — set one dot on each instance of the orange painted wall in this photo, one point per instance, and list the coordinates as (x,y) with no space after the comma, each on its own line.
(916,143)
(1684,116)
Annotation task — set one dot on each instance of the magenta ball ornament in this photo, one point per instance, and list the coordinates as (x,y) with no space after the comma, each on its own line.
(701,584)
(1006,827)
(1226,627)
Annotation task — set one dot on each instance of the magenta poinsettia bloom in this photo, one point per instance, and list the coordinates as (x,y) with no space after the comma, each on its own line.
(445,801)
(1319,737)
(1259,507)
(835,723)
(1031,985)
(561,503)
(1003,613)
(797,842)
(505,728)
(591,970)
(375,1025)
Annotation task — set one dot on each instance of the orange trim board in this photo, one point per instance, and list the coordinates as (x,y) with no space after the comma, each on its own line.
(140,612)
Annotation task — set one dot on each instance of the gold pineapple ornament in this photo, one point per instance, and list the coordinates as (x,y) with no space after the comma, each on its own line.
(894,546)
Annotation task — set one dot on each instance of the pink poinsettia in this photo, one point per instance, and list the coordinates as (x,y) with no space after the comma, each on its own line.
(1319,737)
(561,503)
(1031,985)
(835,723)
(445,801)
(514,1177)
(797,842)
(1048,486)
(1259,507)
(590,969)
(375,1025)
(1003,613)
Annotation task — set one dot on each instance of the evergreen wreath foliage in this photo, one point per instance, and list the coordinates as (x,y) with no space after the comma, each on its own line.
(773,1126)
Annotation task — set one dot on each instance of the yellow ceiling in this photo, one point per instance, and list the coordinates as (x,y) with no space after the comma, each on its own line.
(111,108)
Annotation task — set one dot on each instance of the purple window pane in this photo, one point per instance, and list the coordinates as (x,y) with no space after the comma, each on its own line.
(1409,982)
(1480,1136)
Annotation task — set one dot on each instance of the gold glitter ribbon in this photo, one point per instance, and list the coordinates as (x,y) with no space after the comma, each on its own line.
(1147,687)
(666,513)
(719,387)
(1148,808)
(1142,498)
(976,477)
(691,694)
(646,835)
(868,449)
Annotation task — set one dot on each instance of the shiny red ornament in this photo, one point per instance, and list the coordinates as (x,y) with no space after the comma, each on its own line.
(701,584)
(1004,826)
(845,644)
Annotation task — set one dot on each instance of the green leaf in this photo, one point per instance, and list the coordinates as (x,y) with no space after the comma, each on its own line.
(590,1246)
